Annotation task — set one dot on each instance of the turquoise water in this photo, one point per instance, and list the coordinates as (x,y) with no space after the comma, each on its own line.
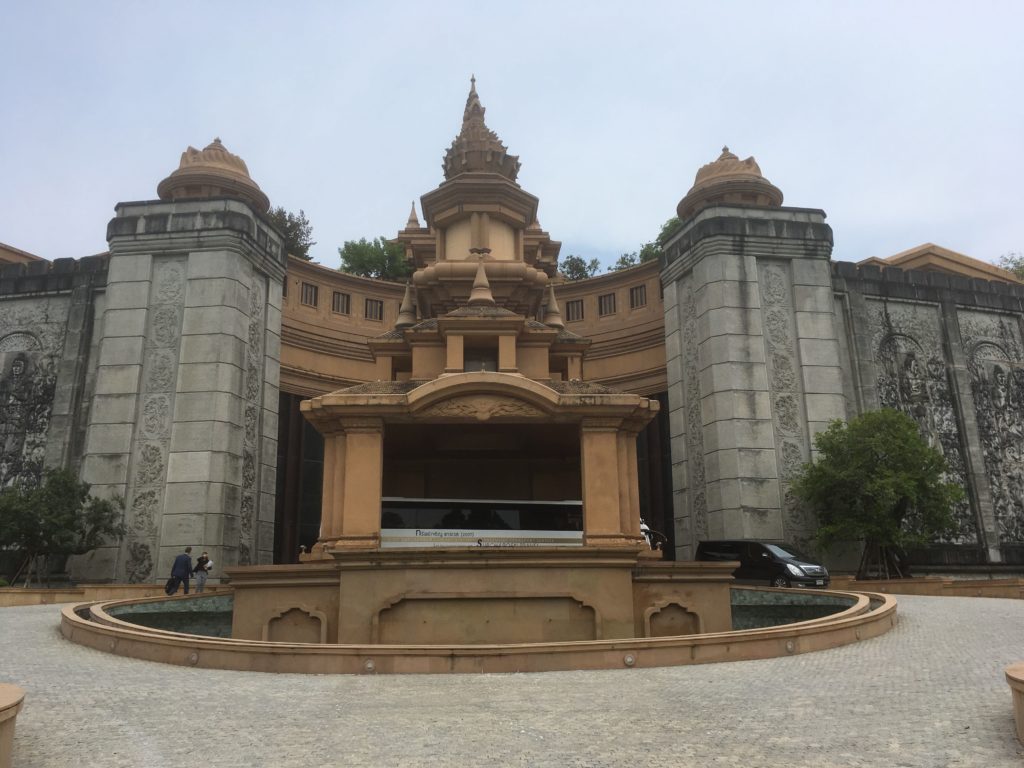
(752,609)
(208,615)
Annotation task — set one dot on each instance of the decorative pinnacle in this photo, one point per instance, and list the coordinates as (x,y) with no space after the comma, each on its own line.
(553,315)
(481,295)
(406,313)
(413,222)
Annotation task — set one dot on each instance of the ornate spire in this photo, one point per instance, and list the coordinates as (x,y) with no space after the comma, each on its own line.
(481,295)
(552,314)
(477,148)
(413,222)
(406,313)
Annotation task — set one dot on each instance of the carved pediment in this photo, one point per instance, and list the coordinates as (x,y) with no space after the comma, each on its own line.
(482,408)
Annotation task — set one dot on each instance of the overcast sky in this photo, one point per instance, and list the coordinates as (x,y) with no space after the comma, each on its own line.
(904,121)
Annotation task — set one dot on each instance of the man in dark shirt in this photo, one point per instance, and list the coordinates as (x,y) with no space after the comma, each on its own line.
(180,572)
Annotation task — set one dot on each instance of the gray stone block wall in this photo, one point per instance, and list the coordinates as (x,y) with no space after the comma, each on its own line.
(767,342)
(948,351)
(184,408)
(46,323)
(755,371)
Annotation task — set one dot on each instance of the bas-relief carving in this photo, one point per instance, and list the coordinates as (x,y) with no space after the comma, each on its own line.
(160,371)
(30,349)
(164,331)
(149,466)
(481,408)
(787,413)
(786,394)
(995,359)
(143,512)
(913,377)
(694,420)
(247,539)
(19,342)
(153,425)
(156,412)
(39,322)
(251,422)
(170,282)
(139,561)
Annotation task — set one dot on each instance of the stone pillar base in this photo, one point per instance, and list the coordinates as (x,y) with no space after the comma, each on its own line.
(615,540)
(346,543)
(1015,678)
(11,698)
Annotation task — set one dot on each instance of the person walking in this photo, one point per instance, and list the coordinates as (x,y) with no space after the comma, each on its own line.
(180,572)
(202,569)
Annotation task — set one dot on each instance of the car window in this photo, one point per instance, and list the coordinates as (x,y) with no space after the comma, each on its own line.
(719,550)
(788,552)
(755,551)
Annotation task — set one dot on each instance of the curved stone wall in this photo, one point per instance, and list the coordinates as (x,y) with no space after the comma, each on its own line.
(328,316)
(92,625)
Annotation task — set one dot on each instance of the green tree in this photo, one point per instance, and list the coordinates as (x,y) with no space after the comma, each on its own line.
(877,481)
(1013,261)
(625,261)
(578,268)
(379,258)
(648,251)
(297,231)
(668,229)
(58,517)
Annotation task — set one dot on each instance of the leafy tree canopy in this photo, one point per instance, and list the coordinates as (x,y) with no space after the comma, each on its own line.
(297,231)
(377,258)
(578,268)
(1013,261)
(668,229)
(57,517)
(877,481)
(648,251)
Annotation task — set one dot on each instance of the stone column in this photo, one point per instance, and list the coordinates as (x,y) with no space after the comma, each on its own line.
(363,458)
(185,414)
(749,336)
(507,354)
(454,359)
(602,482)
(629,486)
(333,497)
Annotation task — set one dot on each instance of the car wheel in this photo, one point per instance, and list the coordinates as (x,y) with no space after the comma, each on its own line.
(780,581)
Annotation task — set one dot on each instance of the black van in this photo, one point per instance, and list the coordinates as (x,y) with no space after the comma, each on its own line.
(778,565)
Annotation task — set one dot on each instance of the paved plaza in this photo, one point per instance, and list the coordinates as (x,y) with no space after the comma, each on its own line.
(929,693)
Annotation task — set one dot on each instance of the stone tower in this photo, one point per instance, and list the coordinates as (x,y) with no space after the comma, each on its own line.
(183,422)
(752,355)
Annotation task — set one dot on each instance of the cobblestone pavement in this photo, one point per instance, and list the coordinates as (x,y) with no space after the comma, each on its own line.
(929,693)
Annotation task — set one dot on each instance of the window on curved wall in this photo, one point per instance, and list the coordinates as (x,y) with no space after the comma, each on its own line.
(341,303)
(574,310)
(310,294)
(374,309)
(637,296)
